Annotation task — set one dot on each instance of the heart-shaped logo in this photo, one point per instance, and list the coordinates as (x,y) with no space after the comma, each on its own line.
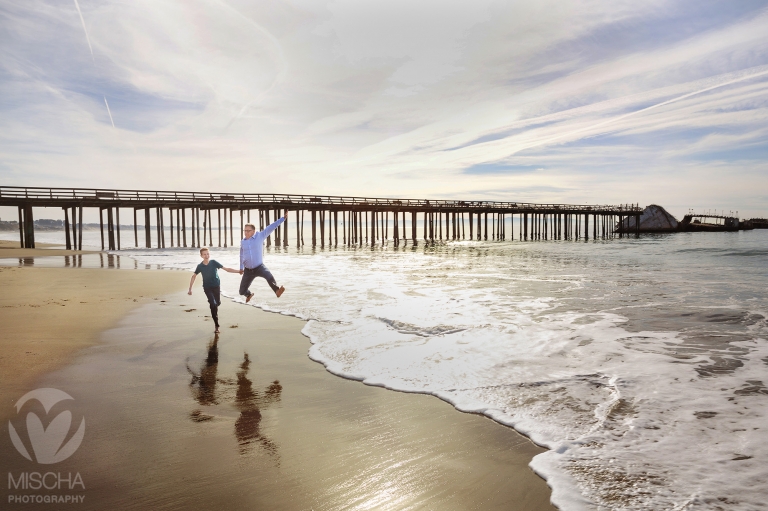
(47,443)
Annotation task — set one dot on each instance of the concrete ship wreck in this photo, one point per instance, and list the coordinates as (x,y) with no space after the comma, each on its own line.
(656,219)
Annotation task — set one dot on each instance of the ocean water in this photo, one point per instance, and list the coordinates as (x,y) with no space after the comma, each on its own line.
(640,363)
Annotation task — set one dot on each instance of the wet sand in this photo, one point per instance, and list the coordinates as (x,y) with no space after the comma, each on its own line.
(49,314)
(11,249)
(177,418)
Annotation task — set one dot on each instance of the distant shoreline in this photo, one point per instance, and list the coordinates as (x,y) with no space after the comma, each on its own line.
(46,227)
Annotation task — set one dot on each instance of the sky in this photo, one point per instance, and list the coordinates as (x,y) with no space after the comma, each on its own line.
(598,102)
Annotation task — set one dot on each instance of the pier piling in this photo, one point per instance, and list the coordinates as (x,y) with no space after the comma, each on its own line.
(442,220)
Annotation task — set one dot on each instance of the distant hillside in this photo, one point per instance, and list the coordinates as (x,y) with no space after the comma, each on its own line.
(48,224)
(44,224)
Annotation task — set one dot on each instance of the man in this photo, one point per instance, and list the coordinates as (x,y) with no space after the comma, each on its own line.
(252,258)
(211,283)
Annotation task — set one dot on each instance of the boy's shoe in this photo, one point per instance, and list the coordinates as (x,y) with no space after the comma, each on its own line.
(248,298)
(280,291)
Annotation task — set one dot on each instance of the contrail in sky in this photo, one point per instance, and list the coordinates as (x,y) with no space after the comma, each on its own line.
(84,30)
(110,113)
(82,20)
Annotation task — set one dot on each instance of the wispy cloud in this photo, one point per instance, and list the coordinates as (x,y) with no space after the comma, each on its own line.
(554,100)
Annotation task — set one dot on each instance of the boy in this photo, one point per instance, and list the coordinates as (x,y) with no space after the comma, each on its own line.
(211,282)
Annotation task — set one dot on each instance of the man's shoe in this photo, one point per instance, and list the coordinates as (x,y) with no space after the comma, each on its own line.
(248,298)
(280,291)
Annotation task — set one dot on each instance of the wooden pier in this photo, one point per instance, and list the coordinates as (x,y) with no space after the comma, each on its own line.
(191,219)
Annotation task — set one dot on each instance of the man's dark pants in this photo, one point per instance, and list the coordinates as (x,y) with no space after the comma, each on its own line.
(251,273)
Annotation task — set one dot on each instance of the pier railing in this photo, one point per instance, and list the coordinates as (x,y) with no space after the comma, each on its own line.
(11,195)
(361,219)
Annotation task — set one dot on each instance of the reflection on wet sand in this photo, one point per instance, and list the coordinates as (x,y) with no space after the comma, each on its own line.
(204,384)
(248,400)
(98,260)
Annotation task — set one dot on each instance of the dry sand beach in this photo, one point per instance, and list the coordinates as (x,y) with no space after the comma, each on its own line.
(178,418)
(49,314)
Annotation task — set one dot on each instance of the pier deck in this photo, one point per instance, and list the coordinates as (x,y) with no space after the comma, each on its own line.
(364,220)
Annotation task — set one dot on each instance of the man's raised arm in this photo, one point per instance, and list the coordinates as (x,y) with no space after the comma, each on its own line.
(271,227)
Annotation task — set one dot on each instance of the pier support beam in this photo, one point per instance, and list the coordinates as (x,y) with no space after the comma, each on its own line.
(395,230)
(225,226)
(218,224)
(372,228)
(196,227)
(147,233)
(594,226)
(586,227)
(29,227)
(192,227)
(21,227)
(68,242)
(74,227)
(117,227)
(111,228)
(314,232)
(101,226)
(80,228)
(525,225)
(298,229)
(159,226)
(264,219)
(321,215)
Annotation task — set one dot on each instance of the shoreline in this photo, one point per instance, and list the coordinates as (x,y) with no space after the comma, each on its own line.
(323,423)
(11,249)
(49,315)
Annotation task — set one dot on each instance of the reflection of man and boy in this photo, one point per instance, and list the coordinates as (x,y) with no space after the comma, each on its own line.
(204,385)
(247,400)
(251,266)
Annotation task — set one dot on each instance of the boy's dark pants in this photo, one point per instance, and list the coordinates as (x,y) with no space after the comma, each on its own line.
(213,294)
